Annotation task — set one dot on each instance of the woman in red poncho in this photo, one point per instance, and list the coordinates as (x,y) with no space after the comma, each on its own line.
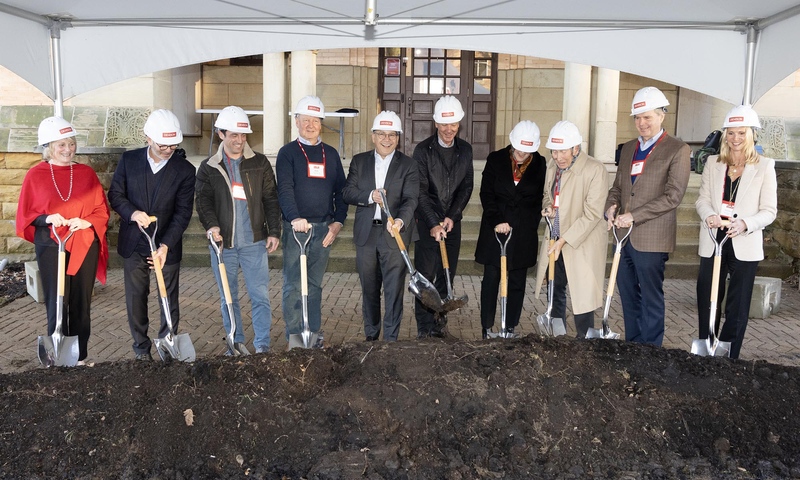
(69,196)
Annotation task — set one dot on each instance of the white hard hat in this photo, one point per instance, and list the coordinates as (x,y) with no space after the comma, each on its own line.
(525,136)
(646,99)
(742,116)
(55,128)
(311,106)
(387,120)
(564,135)
(448,110)
(163,127)
(233,119)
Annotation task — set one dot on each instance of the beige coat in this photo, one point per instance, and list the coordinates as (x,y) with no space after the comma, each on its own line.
(583,192)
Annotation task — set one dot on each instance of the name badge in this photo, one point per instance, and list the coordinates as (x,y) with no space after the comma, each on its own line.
(637,168)
(238,191)
(316,170)
(555,201)
(726,211)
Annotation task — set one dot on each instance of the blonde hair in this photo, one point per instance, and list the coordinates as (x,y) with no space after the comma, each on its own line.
(750,154)
(47,152)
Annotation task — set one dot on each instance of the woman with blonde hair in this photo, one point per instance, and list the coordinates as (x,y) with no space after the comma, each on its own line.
(739,187)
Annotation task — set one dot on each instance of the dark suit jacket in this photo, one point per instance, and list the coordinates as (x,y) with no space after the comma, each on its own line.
(172,203)
(402,193)
(518,205)
(654,198)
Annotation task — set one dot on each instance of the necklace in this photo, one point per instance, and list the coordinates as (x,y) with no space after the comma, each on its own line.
(53,176)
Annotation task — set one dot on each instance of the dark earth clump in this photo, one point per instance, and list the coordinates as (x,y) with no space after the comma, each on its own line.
(12,283)
(520,408)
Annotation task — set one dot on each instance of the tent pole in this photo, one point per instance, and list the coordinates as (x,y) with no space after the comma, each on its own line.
(55,47)
(753,36)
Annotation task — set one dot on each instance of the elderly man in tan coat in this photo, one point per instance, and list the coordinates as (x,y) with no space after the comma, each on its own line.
(575,189)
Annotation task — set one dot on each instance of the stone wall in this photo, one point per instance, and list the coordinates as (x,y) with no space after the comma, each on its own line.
(786,228)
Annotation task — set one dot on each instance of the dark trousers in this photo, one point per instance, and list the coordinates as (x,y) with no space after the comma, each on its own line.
(583,321)
(490,285)
(137,288)
(740,292)
(77,304)
(428,262)
(641,289)
(379,264)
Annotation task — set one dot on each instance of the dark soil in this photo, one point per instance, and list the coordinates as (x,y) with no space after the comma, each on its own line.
(12,283)
(520,408)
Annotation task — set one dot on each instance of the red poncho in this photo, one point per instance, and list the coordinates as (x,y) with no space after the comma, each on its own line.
(88,201)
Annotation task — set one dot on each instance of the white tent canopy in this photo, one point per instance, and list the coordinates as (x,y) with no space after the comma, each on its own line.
(731,49)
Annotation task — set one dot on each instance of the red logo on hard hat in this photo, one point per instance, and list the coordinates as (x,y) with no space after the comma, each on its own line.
(65,130)
(386,122)
(314,108)
(527,143)
(169,134)
(448,114)
(242,124)
(736,119)
(556,140)
(640,105)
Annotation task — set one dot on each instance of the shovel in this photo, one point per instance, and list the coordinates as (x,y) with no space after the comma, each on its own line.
(712,346)
(57,349)
(450,303)
(503,287)
(606,332)
(236,348)
(547,325)
(179,347)
(307,339)
(418,285)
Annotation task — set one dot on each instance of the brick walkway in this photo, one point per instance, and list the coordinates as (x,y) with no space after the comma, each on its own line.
(774,339)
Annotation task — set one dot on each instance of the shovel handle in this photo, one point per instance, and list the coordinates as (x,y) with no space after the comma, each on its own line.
(304,275)
(612,277)
(503,276)
(400,243)
(443,249)
(223,277)
(715,278)
(162,288)
(551,264)
(153,218)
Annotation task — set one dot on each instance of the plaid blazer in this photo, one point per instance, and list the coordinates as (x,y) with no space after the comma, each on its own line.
(654,198)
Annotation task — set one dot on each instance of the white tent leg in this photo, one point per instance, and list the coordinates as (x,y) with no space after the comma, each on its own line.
(55,56)
(753,36)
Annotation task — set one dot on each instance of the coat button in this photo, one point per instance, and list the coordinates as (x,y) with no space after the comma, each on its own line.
(632,194)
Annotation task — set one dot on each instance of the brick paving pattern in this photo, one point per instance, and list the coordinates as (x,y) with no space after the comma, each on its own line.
(774,339)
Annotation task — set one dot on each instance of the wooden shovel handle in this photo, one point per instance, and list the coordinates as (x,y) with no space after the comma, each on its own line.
(443,249)
(162,288)
(226,289)
(612,277)
(551,265)
(400,243)
(503,276)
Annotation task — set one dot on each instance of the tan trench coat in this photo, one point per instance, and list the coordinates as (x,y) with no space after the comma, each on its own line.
(583,193)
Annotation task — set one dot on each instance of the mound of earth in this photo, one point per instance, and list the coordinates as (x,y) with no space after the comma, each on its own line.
(521,408)
(12,283)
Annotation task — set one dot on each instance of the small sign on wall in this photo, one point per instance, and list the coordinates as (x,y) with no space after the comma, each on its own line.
(392,68)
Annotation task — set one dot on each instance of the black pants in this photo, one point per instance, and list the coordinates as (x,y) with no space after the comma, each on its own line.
(740,292)
(583,321)
(137,288)
(490,285)
(77,310)
(428,262)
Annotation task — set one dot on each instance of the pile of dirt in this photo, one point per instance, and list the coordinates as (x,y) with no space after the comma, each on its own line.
(12,283)
(519,408)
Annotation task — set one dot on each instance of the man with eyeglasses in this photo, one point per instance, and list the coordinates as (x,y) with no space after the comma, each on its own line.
(378,259)
(158,181)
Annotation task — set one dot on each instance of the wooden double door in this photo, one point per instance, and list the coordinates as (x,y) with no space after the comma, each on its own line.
(412,80)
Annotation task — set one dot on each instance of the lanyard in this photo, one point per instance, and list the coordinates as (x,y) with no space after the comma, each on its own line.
(644,160)
(308,161)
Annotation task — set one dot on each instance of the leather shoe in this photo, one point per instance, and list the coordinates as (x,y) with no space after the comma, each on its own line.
(484,333)
(370,338)
(436,333)
(144,357)
(421,335)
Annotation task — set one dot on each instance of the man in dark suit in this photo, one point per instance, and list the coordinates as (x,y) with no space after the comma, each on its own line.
(156,180)
(649,185)
(378,256)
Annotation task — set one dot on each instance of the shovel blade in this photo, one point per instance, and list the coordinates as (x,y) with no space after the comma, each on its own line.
(452,304)
(63,355)
(704,348)
(598,333)
(178,347)
(542,325)
(558,327)
(313,340)
(424,290)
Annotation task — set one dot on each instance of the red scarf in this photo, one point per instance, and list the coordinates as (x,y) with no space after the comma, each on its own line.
(88,201)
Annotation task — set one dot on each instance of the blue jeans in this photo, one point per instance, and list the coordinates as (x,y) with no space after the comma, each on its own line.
(317,262)
(641,289)
(255,266)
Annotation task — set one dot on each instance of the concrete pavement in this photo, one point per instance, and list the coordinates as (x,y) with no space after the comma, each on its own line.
(775,339)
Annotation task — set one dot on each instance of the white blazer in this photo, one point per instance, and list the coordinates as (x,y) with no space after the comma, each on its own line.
(756,204)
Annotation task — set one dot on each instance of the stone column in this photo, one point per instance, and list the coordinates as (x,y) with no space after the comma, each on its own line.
(275,107)
(577,97)
(303,79)
(605,129)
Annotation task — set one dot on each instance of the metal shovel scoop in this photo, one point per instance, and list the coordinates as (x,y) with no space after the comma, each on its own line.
(606,332)
(418,285)
(307,339)
(547,325)
(712,346)
(236,348)
(503,333)
(180,346)
(57,349)
(450,303)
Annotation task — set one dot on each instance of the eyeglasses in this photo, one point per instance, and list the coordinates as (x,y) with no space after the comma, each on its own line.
(383,135)
(164,148)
